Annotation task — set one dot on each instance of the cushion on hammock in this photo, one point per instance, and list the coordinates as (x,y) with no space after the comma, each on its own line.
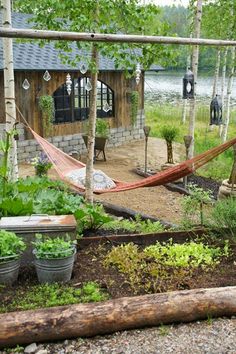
(100,179)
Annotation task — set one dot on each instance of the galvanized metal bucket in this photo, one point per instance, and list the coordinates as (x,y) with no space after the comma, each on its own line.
(55,269)
(9,271)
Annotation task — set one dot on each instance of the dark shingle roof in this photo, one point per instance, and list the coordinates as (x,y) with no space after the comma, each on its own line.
(30,56)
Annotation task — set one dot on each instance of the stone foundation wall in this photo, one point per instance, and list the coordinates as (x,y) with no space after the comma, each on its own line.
(74,143)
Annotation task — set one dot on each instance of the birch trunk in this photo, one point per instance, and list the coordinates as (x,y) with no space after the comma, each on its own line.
(216,76)
(228,98)
(195,56)
(9,89)
(92,128)
(223,86)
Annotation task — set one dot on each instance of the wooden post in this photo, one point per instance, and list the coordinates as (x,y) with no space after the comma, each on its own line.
(9,89)
(84,320)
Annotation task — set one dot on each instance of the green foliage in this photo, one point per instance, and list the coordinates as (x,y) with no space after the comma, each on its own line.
(46,247)
(134,99)
(224,216)
(136,226)
(46,105)
(193,205)
(11,245)
(35,195)
(187,255)
(102,128)
(91,217)
(169,133)
(48,295)
(154,268)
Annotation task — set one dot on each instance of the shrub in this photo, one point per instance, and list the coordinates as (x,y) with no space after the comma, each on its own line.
(224,216)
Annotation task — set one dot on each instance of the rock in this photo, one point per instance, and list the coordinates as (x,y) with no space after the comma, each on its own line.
(31,348)
(42,351)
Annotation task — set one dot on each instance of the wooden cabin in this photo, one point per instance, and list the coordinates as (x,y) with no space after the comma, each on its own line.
(115,91)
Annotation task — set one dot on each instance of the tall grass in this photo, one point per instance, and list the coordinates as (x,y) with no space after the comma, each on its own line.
(159,115)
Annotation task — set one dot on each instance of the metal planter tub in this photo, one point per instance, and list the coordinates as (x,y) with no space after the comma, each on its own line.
(54,269)
(9,270)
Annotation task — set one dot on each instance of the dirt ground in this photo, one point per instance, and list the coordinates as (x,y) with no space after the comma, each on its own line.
(158,201)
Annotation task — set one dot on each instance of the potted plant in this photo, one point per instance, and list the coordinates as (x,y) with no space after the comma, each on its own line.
(41,164)
(169,133)
(54,258)
(11,247)
(101,136)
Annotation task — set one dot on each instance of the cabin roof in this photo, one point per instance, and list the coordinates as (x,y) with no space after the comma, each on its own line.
(30,56)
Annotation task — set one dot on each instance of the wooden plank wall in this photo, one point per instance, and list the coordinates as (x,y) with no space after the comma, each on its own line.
(27,100)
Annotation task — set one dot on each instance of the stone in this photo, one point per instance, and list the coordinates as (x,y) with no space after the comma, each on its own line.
(31,348)
(42,351)
(100,179)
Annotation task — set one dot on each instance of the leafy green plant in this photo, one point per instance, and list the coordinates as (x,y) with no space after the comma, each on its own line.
(158,266)
(48,248)
(136,226)
(169,133)
(223,215)
(187,255)
(193,204)
(11,245)
(48,295)
(134,99)
(41,164)
(91,217)
(102,128)
(46,105)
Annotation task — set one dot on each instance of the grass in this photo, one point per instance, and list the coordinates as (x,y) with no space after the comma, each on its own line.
(49,295)
(159,115)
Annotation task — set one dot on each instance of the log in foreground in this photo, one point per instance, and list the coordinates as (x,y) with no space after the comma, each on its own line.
(115,315)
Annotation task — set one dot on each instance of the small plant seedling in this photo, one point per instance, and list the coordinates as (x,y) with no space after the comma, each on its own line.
(163,330)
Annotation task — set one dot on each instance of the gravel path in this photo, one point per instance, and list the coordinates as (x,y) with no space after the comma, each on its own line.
(214,336)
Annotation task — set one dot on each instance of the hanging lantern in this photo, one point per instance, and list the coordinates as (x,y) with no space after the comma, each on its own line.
(106,107)
(26,84)
(188,85)
(46,76)
(216,111)
(137,73)
(68,84)
(88,86)
(83,68)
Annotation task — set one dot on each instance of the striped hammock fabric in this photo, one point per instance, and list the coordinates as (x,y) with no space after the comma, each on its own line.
(65,164)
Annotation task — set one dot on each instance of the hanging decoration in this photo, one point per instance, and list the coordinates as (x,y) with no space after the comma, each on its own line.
(88,86)
(26,84)
(216,111)
(68,83)
(83,68)
(188,85)
(46,76)
(138,73)
(106,107)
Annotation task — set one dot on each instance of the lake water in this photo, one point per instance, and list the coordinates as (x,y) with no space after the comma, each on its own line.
(167,86)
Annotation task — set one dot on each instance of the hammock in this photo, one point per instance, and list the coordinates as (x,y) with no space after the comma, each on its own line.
(65,164)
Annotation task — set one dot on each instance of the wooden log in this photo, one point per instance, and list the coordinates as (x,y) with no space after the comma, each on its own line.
(115,315)
(107,37)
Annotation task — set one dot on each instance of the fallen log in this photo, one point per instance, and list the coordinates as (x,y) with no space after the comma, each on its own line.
(85,320)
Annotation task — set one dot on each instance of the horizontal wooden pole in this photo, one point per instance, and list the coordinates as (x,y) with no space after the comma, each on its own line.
(101,37)
(85,320)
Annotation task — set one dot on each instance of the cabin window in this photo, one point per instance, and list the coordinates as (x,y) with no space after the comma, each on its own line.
(75,107)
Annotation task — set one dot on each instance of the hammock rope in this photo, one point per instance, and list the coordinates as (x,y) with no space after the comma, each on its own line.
(64,164)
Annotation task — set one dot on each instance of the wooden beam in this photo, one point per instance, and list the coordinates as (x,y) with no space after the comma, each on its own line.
(103,37)
(85,320)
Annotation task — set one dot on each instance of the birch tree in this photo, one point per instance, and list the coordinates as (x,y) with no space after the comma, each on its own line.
(9,90)
(195,57)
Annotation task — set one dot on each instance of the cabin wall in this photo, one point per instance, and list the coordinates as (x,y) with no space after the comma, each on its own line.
(67,136)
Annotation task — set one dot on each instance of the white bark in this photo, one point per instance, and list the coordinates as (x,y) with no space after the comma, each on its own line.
(216,76)
(228,98)
(224,64)
(9,88)
(195,56)
(92,128)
